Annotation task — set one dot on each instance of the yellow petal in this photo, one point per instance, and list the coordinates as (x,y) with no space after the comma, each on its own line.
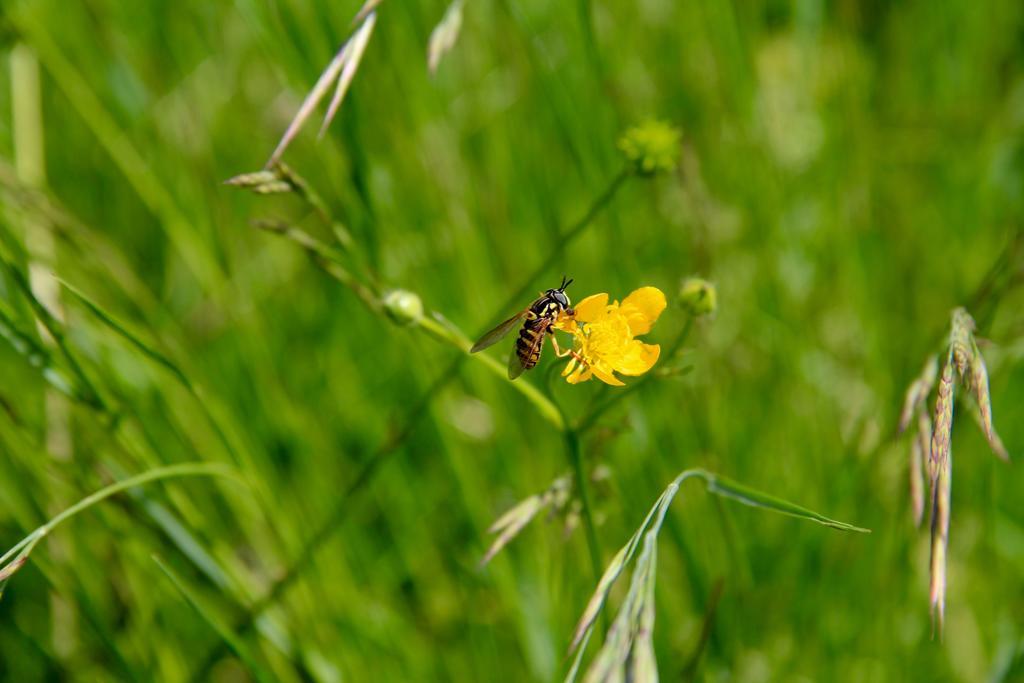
(642,307)
(607,377)
(565,324)
(638,358)
(591,308)
(582,374)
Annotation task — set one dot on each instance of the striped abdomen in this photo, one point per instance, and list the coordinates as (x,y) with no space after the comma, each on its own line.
(531,341)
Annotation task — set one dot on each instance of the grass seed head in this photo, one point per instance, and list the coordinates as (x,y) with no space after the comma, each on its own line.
(979,390)
(340,72)
(963,355)
(512,522)
(940,544)
(943,423)
(267,181)
(961,339)
(918,447)
(917,392)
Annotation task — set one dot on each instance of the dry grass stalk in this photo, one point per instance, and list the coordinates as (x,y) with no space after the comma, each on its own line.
(444,35)
(341,70)
(354,50)
(364,11)
(628,652)
(512,522)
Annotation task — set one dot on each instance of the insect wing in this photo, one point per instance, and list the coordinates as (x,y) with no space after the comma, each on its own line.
(495,335)
(515,364)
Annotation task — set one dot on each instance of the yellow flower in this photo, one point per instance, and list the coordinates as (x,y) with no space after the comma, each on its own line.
(604,336)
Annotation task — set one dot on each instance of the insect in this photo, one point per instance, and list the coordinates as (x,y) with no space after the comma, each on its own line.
(537,319)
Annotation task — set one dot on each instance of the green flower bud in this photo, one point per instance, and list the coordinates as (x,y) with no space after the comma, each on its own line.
(403,307)
(652,147)
(698,296)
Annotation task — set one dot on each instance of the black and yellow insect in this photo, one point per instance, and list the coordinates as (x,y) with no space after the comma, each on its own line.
(537,319)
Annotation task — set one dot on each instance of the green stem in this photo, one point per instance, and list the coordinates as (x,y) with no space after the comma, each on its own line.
(572,447)
(25,546)
(562,241)
(572,442)
(586,18)
(690,670)
(55,329)
(332,522)
(230,638)
(325,258)
(307,193)
(139,175)
(453,336)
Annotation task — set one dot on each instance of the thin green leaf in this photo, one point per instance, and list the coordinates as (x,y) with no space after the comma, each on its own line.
(215,623)
(122,330)
(192,469)
(36,355)
(90,394)
(634,614)
(748,496)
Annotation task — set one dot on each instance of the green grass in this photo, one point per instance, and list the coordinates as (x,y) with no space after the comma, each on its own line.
(849,174)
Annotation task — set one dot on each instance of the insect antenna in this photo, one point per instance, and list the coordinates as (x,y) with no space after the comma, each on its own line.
(564,284)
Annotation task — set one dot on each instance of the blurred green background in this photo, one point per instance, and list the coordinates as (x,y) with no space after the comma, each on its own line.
(849,173)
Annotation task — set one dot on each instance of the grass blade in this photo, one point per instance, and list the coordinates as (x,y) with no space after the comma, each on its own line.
(628,643)
(215,623)
(122,330)
(37,356)
(748,496)
(25,546)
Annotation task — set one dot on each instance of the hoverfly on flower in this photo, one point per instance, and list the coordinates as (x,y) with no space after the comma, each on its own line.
(538,321)
(605,336)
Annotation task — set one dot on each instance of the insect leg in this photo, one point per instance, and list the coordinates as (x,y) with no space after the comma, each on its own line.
(568,352)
